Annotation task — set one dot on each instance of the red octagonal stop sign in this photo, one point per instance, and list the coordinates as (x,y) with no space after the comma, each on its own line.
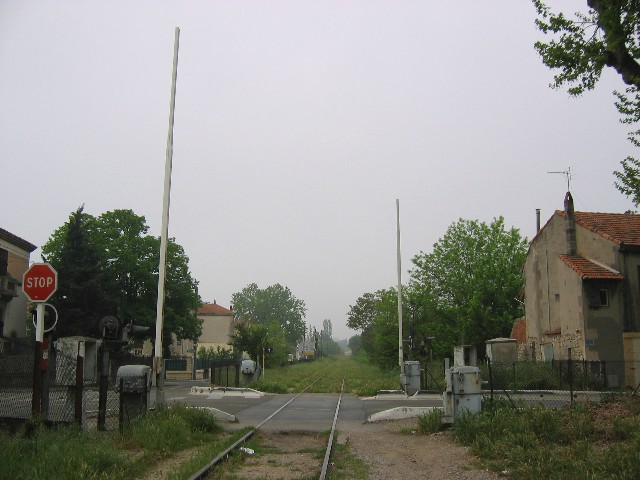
(40,282)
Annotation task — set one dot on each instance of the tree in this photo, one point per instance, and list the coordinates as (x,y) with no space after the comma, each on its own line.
(274,304)
(80,298)
(375,315)
(122,260)
(326,328)
(355,343)
(464,291)
(361,316)
(252,337)
(607,35)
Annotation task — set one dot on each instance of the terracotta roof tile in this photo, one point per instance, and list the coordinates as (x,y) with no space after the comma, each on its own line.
(588,269)
(620,228)
(519,330)
(213,308)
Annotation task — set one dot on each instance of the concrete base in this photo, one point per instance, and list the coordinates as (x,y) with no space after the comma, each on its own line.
(221,392)
(400,413)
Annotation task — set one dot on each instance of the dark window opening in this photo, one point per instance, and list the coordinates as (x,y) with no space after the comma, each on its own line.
(604,297)
(4,261)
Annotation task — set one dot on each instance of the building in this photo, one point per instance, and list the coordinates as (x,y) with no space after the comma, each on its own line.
(217,329)
(14,261)
(582,287)
(217,326)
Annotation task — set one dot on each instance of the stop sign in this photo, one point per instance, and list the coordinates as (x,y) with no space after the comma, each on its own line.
(39,282)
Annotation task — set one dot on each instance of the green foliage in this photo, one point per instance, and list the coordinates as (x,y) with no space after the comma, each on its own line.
(253,338)
(62,453)
(80,299)
(217,353)
(274,304)
(546,443)
(346,465)
(431,422)
(607,35)
(355,343)
(170,429)
(109,265)
(376,315)
(465,290)
(362,378)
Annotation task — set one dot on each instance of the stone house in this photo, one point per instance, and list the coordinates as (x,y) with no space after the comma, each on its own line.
(14,261)
(582,287)
(217,329)
(217,326)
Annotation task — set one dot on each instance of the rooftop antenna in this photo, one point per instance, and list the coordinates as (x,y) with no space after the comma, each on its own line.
(566,173)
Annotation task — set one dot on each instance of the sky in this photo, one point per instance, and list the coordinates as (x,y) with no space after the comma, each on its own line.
(297,126)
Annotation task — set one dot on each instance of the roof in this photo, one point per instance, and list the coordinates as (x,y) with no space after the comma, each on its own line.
(17,241)
(519,330)
(588,270)
(619,228)
(213,309)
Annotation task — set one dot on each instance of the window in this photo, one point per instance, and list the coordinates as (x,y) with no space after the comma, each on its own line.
(4,261)
(598,296)
(604,297)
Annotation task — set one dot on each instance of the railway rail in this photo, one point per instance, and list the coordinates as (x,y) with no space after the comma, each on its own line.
(208,469)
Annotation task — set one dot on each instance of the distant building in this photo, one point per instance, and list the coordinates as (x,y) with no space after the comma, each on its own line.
(217,326)
(582,287)
(14,261)
(217,329)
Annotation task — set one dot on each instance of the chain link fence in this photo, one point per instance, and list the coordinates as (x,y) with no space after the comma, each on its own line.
(558,382)
(67,394)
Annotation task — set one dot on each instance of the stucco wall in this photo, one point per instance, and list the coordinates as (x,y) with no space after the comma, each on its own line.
(14,310)
(557,308)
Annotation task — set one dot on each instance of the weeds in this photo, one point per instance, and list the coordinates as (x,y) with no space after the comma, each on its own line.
(574,442)
(431,422)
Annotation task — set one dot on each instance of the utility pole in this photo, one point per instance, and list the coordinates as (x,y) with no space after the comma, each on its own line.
(164,234)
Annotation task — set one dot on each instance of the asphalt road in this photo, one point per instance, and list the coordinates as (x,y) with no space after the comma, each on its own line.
(308,412)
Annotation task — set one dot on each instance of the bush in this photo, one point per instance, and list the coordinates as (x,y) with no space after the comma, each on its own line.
(431,422)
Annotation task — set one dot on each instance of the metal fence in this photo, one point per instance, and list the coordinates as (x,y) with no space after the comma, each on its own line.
(559,381)
(553,383)
(67,395)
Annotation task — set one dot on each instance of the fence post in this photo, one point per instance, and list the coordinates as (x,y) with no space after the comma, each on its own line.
(36,396)
(490,376)
(121,406)
(570,374)
(238,365)
(604,373)
(513,365)
(79,386)
(103,389)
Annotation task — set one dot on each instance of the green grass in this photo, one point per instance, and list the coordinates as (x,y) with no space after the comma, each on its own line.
(431,422)
(346,466)
(581,441)
(36,451)
(361,377)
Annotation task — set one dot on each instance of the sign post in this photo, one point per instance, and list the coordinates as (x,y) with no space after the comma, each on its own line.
(39,282)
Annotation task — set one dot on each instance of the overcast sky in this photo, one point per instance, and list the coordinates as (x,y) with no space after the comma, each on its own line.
(297,125)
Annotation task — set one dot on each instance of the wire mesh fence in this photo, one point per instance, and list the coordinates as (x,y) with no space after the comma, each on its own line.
(67,394)
(559,381)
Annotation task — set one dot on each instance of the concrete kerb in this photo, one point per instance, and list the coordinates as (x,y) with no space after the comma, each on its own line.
(221,392)
(400,413)
(219,414)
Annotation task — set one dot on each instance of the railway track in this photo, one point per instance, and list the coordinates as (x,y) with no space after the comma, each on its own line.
(210,468)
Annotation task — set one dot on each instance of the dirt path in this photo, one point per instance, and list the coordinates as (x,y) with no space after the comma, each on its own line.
(388,448)
(392,454)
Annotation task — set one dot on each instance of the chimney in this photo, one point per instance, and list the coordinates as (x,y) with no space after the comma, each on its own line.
(537,220)
(572,246)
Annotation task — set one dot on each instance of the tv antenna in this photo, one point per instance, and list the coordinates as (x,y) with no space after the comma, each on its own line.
(566,173)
